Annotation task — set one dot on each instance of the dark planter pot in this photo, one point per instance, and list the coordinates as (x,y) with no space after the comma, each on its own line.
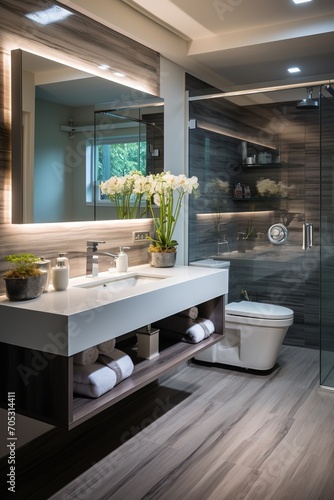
(250,244)
(25,288)
(162,259)
(241,246)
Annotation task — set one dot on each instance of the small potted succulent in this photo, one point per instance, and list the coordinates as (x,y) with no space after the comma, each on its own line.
(24,281)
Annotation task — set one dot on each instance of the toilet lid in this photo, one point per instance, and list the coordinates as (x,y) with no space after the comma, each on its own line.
(258,310)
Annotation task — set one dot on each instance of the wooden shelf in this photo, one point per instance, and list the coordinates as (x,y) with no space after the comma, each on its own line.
(144,373)
(271,165)
(262,165)
(266,199)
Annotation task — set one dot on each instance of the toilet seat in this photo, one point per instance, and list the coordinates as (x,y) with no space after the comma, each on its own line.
(258,310)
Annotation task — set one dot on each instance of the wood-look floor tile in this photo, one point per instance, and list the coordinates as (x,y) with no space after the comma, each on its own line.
(204,433)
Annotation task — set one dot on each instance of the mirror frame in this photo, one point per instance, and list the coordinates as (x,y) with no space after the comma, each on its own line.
(140,63)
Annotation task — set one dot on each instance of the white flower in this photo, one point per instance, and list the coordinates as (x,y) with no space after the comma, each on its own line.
(222,185)
(267,187)
(127,193)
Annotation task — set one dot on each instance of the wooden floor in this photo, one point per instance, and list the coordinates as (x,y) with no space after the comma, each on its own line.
(203,433)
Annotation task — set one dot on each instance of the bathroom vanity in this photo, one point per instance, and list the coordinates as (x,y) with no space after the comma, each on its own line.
(40,337)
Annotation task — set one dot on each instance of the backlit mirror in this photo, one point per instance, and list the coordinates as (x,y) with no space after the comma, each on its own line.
(54,107)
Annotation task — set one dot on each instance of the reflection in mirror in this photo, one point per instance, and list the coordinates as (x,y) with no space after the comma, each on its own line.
(125,141)
(53,108)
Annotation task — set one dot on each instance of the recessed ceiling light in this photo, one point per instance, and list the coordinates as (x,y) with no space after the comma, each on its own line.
(104,67)
(48,16)
(294,70)
(120,75)
(301,1)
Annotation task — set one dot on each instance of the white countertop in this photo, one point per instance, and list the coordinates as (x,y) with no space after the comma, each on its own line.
(70,321)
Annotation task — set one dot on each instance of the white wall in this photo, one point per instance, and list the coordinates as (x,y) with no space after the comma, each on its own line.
(172,89)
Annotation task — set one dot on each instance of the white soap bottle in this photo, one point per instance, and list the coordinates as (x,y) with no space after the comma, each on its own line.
(60,274)
(122,260)
(67,262)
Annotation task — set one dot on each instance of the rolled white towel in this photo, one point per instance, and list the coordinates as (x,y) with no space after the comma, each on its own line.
(106,347)
(181,324)
(93,380)
(201,330)
(192,312)
(188,330)
(86,357)
(119,362)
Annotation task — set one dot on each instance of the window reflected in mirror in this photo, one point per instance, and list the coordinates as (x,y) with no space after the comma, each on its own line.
(126,141)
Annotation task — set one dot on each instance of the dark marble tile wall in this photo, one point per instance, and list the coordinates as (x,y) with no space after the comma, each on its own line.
(86,42)
(155,139)
(293,282)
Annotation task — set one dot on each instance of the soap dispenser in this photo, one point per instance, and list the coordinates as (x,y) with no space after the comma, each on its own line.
(67,262)
(60,274)
(122,260)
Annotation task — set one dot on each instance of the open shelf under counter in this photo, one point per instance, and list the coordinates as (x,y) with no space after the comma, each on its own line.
(145,372)
(39,339)
(43,382)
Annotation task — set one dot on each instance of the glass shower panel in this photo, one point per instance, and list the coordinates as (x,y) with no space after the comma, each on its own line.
(257,159)
(327,239)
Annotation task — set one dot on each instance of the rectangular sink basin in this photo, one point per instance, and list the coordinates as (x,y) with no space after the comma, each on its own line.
(118,284)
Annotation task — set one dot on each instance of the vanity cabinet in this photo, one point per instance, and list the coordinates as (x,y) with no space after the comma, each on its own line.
(42,378)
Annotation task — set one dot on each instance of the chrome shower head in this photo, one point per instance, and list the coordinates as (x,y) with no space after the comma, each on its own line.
(309,102)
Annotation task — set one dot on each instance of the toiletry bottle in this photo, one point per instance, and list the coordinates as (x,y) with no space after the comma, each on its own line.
(247,192)
(122,260)
(238,191)
(67,263)
(60,274)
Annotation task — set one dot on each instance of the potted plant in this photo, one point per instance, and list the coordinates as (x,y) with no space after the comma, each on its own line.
(250,237)
(166,192)
(24,281)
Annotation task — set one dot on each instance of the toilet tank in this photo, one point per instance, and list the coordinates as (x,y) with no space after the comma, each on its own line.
(218,264)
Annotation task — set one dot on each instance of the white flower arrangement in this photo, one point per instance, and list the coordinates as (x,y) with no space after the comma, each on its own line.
(165,191)
(127,193)
(218,186)
(267,187)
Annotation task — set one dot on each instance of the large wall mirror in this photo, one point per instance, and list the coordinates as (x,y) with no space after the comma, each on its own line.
(54,108)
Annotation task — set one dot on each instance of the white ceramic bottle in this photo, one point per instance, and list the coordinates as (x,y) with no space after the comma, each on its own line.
(67,262)
(122,260)
(60,274)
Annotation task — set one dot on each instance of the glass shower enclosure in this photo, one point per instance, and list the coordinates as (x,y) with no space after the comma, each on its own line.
(257,160)
(327,237)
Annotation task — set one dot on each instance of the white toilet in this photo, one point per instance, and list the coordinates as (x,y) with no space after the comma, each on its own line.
(254,333)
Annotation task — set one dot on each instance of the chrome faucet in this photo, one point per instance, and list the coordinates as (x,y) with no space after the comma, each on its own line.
(92,262)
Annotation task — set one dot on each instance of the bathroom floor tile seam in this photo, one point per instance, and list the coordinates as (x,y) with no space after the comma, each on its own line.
(183,440)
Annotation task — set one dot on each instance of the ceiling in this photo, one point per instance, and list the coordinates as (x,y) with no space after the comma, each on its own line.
(61,84)
(250,43)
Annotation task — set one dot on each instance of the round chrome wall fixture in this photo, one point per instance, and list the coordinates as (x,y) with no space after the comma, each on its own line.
(277,234)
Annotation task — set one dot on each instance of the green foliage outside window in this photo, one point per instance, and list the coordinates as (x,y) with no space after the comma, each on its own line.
(120,159)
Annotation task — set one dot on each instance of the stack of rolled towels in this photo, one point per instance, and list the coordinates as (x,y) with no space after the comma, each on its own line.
(98,369)
(186,326)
